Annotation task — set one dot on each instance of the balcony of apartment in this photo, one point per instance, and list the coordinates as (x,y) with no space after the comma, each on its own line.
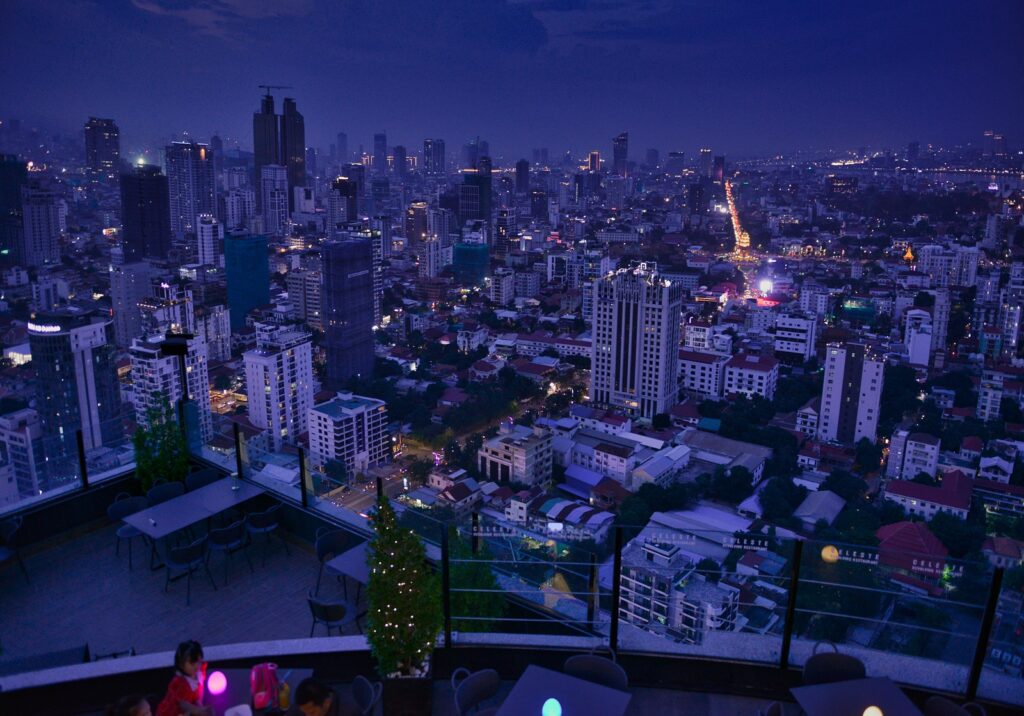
(83,625)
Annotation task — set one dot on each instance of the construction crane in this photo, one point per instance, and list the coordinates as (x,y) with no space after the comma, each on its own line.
(273,87)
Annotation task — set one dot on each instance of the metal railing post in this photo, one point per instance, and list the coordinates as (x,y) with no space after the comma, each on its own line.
(446,595)
(592,603)
(475,533)
(181,421)
(987,620)
(794,580)
(302,478)
(80,445)
(238,449)
(613,631)
(380,488)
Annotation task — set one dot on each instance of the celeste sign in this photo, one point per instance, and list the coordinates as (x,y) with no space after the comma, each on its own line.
(43,328)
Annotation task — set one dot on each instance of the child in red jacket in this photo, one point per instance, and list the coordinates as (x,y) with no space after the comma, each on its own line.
(185,692)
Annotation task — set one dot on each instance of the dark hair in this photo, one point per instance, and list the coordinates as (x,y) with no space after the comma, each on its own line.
(311,691)
(187,651)
(125,706)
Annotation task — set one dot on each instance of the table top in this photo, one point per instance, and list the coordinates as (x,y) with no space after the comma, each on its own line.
(576,696)
(353,563)
(850,698)
(184,511)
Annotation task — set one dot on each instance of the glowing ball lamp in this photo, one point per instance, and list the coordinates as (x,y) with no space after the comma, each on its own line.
(872,711)
(551,707)
(217,683)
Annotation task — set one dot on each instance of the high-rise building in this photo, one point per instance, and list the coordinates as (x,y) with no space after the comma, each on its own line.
(102,146)
(74,355)
(130,283)
(279,382)
(210,239)
(652,159)
(293,147)
(348,303)
(266,142)
(850,393)
(416,223)
(304,287)
(380,154)
(145,214)
(274,188)
(239,208)
(400,161)
(430,262)
(634,353)
(191,186)
(620,154)
(718,169)
(352,430)
(522,176)
(594,161)
(42,226)
(13,176)
(539,204)
(705,162)
(21,441)
(675,163)
(157,378)
(248,275)
(434,163)
(475,192)
(342,203)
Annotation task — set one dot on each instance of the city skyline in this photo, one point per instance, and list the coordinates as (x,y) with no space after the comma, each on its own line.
(683,77)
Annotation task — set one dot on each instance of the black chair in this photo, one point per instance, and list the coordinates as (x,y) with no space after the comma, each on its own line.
(229,540)
(265,523)
(329,544)
(333,615)
(202,478)
(472,689)
(187,560)
(366,694)
(8,551)
(941,706)
(830,667)
(772,709)
(597,669)
(164,491)
(124,505)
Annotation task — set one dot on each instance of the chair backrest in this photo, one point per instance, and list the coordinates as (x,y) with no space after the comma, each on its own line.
(190,553)
(201,478)
(164,492)
(597,669)
(327,611)
(828,668)
(266,519)
(8,528)
(772,709)
(331,544)
(475,688)
(228,535)
(366,694)
(121,507)
(941,706)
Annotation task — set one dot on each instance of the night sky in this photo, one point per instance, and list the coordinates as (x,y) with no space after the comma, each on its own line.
(740,77)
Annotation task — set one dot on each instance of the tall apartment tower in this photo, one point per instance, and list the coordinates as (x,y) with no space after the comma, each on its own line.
(705,162)
(102,146)
(210,238)
(634,354)
(266,143)
(129,285)
(279,382)
(434,163)
(191,185)
(74,356)
(293,147)
(42,225)
(248,275)
(279,139)
(620,154)
(850,393)
(380,154)
(347,300)
(145,214)
(274,190)
(157,377)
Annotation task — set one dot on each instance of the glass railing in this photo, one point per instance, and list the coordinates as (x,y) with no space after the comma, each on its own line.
(1003,656)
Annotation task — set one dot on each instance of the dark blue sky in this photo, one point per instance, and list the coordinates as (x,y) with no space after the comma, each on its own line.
(755,76)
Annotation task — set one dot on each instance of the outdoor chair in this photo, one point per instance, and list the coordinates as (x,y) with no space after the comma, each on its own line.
(830,667)
(333,615)
(164,491)
(187,560)
(229,540)
(124,505)
(202,478)
(941,706)
(266,523)
(329,544)
(366,694)
(597,669)
(772,709)
(8,550)
(472,689)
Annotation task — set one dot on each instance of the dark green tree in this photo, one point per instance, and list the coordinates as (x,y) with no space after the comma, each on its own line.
(475,589)
(404,612)
(849,487)
(419,470)
(336,471)
(710,569)
(733,485)
(160,449)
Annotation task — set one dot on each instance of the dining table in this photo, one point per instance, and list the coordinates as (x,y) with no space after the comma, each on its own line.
(538,690)
(854,698)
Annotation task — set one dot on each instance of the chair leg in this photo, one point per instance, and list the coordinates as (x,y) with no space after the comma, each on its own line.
(227,556)
(312,629)
(188,588)
(245,551)
(285,543)
(117,546)
(129,554)
(210,574)
(22,565)
(167,578)
(318,576)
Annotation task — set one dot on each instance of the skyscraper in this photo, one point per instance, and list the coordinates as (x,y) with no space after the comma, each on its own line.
(380,154)
(145,214)
(675,163)
(274,189)
(434,157)
(475,192)
(522,176)
(347,299)
(210,238)
(705,162)
(129,284)
(401,161)
(74,356)
(248,275)
(342,203)
(266,143)
(594,161)
(42,226)
(102,146)
(652,159)
(191,186)
(293,148)
(13,176)
(718,169)
(634,354)
(279,382)
(157,377)
(620,154)
(850,393)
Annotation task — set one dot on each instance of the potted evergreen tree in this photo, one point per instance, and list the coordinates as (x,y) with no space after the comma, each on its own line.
(404,615)
(474,586)
(160,449)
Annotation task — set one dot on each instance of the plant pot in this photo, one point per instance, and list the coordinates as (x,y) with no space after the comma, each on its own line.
(408,696)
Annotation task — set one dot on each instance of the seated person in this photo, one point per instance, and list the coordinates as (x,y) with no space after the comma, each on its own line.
(314,698)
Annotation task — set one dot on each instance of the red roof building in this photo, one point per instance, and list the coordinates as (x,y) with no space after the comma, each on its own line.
(911,546)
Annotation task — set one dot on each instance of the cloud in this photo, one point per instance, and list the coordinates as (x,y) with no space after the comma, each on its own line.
(224,18)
